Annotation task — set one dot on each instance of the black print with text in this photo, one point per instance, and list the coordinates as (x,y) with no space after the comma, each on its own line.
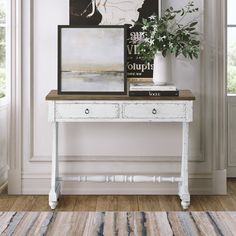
(118,12)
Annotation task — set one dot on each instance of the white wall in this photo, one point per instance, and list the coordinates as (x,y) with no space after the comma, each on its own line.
(113,148)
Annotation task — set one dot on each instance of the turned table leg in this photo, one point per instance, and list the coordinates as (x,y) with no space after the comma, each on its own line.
(55,185)
(183,185)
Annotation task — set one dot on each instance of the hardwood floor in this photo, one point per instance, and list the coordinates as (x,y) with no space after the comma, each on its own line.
(121,203)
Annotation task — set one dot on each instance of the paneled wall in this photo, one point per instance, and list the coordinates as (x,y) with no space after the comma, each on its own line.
(137,148)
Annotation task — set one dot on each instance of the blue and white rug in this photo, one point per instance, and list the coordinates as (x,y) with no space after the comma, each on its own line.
(118,223)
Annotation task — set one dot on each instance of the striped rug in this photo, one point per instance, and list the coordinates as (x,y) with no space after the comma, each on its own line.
(118,223)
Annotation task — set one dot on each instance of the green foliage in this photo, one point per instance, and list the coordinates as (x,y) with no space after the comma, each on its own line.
(2,13)
(232,68)
(169,35)
(2,47)
(2,82)
(2,54)
(2,51)
(232,79)
(2,38)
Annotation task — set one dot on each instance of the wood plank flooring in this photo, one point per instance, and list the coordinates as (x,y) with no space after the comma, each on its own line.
(121,203)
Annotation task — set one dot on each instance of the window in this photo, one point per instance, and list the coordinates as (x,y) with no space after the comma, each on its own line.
(231,47)
(2,48)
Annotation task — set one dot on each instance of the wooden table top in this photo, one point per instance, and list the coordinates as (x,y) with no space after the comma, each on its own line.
(54,96)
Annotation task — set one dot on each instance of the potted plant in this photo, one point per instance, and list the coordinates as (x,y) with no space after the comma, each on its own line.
(169,35)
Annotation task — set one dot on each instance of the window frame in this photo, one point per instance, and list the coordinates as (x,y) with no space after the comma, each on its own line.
(227,27)
(5,100)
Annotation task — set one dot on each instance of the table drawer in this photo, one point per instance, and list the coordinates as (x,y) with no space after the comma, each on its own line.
(154,110)
(87,111)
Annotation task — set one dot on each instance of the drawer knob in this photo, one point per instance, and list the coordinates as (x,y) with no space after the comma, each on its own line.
(87,111)
(154,111)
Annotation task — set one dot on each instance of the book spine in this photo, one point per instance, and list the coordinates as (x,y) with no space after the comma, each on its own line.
(154,93)
(153,88)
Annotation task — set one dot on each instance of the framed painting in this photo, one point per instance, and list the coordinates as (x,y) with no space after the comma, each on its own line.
(92,60)
(116,12)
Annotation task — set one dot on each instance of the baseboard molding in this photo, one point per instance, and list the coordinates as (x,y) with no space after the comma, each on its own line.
(202,184)
(43,187)
(3,188)
(231,172)
(103,158)
(220,182)
(14,182)
(3,175)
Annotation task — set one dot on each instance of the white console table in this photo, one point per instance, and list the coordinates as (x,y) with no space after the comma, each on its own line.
(77,108)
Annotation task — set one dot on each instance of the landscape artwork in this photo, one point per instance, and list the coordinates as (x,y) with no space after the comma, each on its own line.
(92,60)
(117,12)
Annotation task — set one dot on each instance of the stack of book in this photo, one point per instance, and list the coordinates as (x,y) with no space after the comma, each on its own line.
(152,90)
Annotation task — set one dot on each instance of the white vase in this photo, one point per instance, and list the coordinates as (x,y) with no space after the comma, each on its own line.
(162,69)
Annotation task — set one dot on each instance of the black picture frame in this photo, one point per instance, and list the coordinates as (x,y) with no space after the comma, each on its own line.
(82,12)
(91,75)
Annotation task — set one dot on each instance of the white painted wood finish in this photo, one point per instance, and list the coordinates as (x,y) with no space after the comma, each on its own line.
(164,111)
(155,111)
(55,186)
(119,179)
(183,185)
(122,111)
(31,135)
(70,111)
